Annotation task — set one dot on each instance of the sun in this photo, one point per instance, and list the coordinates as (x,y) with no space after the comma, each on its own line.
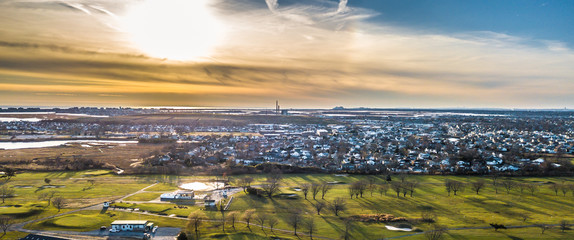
(174,29)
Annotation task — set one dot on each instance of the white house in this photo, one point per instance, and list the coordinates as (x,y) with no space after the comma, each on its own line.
(133,225)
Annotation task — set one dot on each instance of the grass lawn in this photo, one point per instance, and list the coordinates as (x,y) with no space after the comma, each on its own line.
(84,221)
(467,209)
(145,196)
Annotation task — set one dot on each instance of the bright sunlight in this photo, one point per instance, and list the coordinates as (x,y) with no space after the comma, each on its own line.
(174,29)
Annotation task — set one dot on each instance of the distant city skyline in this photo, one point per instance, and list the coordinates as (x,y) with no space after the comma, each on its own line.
(305,53)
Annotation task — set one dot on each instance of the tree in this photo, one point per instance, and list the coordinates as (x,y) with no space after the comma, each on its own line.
(352,190)
(543,227)
(195,219)
(272,222)
(271,186)
(261,218)
(477,185)
(435,233)
(6,192)
(309,223)
(532,188)
(245,182)
(338,205)
(383,189)
(305,189)
(59,203)
(497,226)
(428,216)
(92,182)
(232,217)
(554,187)
(47,181)
(294,219)
(325,187)
(564,188)
(495,183)
(8,174)
(410,186)
(397,187)
(247,216)
(454,186)
(371,184)
(319,206)
(315,189)
(47,196)
(508,185)
(5,223)
(222,211)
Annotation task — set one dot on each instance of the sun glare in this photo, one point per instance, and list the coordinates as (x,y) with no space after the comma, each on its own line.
(174,29)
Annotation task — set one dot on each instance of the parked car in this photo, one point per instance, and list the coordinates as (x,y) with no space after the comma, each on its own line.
(114,230)
(102,228)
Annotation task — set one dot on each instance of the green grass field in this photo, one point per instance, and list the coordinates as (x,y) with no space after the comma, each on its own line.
(467,209)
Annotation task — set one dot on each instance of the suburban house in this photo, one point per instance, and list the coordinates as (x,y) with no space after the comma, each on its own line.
(178,195)
(133,225)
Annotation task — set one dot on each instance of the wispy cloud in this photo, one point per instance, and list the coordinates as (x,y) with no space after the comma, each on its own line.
(322,52)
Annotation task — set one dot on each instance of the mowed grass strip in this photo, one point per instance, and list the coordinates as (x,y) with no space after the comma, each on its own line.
(145,196)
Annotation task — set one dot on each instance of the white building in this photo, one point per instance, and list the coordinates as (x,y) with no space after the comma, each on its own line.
(133,225)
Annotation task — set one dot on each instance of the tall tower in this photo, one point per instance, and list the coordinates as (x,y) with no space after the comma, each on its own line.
(277,108)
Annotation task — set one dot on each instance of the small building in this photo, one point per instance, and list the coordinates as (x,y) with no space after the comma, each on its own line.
(209,203)
(133,225)
(177,195)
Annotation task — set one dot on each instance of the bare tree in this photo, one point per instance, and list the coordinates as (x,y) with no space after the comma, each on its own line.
(247,216)
(564,188)
(428,216)
(554,187)
(5,223)
(352,190)
(233,216)
(436,232)
(272,222)
(543,227)
(245,182)
(410,186)
(195,219)
(271,186)
(305,189)
(92,182)
(338,205)
(6,192)
(261,218)
(315,189)
(309,223)
(477,185)
(371,184)
(59,203)
(397,187)
(383,189)
(325,187)
(294,219)
(454,186)
(222,211)
(319,206)
(508,185)
(532,188)
(495,183)
(47,196)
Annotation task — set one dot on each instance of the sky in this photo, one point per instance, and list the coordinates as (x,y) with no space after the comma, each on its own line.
(304,53)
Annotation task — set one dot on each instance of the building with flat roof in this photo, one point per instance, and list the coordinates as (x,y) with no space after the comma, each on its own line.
(133,225)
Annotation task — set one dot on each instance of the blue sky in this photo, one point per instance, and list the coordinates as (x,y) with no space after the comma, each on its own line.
(538,19)
(305,53)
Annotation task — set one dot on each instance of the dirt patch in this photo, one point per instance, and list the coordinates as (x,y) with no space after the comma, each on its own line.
(378,218)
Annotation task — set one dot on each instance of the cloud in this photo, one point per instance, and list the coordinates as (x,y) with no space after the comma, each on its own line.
(322,53)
